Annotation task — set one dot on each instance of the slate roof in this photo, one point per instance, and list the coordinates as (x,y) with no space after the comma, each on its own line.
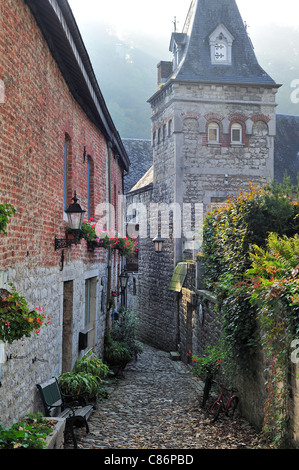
(202,20)
(286,148)
(141,157)
(58,25)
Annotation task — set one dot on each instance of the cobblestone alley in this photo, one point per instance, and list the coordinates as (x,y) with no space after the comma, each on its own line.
(156,406)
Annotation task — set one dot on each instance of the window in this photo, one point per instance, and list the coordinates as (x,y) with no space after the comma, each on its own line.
(213,133)
(66,145)
(220,53)
(90,310)
(221,41)
(67,171)
(154,139)
(236,133)
(90,187)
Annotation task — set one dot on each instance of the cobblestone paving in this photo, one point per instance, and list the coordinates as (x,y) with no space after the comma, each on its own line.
(155,405)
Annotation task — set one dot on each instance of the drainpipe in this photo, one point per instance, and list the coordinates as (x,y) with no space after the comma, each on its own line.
(109,281)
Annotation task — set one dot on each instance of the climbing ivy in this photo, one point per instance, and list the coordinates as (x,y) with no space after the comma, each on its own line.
(251,256)
(275,293)
(229,233)
(6,211)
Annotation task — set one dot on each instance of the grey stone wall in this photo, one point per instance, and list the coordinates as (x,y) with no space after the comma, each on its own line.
(36,359)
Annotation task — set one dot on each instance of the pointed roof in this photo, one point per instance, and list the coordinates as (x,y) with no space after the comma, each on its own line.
(204,18)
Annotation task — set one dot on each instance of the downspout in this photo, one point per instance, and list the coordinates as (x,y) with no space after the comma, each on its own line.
(109,269)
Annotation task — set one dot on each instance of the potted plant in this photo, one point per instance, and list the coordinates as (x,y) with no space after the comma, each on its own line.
(79,386)
(33,432)
(91,364)
(116,354)
(16,319)
(125,330)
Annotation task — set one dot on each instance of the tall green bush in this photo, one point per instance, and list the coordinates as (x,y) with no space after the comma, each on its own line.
(274,290)
(229,233)
(125,330)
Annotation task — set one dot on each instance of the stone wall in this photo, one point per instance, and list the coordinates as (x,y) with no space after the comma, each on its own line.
(36,359)
(200,327)
(154,304)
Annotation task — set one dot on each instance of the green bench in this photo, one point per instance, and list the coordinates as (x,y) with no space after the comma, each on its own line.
(56,404)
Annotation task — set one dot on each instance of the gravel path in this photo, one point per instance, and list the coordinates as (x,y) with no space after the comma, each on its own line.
(155,405)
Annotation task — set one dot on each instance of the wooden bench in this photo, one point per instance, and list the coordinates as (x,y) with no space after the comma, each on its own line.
(75,412)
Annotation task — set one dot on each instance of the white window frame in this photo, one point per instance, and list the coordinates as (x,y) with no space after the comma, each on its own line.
(236,127)
(213,126)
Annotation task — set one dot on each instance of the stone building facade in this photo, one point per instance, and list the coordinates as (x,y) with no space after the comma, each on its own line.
(213,131)
(57,137)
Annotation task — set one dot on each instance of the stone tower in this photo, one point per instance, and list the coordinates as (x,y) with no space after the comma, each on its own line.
(213,116)
(213,128)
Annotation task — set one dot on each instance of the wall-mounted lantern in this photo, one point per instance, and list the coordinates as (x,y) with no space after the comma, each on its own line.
(123,279)
(75,215)
(158,243)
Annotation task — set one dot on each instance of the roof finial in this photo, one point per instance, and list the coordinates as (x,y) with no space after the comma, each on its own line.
(174,24)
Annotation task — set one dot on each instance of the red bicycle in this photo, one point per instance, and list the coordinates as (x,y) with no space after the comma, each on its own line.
(228,407)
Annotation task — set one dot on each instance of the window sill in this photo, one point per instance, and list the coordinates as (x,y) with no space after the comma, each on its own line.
(213,144)
(237,144)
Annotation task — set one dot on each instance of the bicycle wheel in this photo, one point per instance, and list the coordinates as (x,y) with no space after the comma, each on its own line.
(232,407)
(215,411)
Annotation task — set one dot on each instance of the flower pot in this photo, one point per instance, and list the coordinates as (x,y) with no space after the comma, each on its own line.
(56,439)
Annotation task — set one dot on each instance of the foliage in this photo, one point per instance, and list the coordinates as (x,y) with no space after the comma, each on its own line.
(30,433)
(229,233)
(91,364)
(125,330)
(108,239)
(116,353)
(275,292)
(209,363)
(16,319)
(76,384)
(6,211)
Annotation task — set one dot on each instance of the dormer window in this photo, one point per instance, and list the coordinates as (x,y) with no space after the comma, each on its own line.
(220,52)
(221,46)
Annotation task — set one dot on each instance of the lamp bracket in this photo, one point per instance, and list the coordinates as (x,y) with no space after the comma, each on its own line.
(61,243)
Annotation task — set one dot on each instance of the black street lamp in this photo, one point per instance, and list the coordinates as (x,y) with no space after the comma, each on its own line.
(123,279)
(158,243)
(75,215)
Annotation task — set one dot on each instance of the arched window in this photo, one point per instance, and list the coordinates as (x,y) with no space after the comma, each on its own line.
(236,133)
(90,187)
(67,171)
(213,133)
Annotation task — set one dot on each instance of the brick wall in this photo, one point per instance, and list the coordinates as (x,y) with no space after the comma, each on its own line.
(36,115)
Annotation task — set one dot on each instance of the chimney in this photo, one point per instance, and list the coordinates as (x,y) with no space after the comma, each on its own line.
(164,71)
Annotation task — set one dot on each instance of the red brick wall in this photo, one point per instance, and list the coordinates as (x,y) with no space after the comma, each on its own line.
(37,113)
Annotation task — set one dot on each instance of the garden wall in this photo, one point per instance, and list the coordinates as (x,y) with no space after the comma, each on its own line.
(200,327)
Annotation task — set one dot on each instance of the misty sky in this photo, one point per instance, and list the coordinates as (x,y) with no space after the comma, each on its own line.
(156,16)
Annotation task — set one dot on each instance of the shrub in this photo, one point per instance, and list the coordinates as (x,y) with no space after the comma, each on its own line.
(78,384)
(91,364)
(229,233)
(125,330)
(116,353)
